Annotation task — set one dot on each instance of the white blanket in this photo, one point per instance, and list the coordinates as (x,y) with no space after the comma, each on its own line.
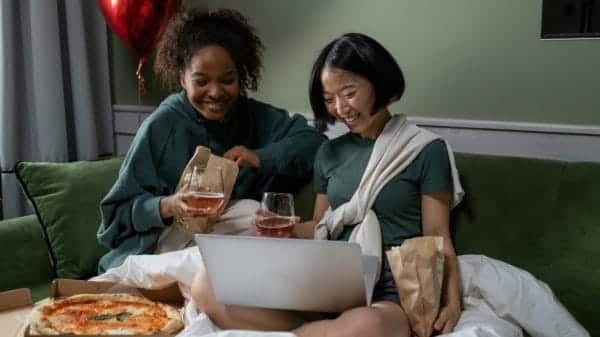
(499,299)
(396,147)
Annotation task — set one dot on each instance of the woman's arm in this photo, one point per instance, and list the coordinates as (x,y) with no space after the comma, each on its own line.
(132,206)
(307,229)
(286,144)
(436,222)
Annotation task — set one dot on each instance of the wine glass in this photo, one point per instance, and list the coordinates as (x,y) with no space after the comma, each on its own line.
(276,216)
(206,186)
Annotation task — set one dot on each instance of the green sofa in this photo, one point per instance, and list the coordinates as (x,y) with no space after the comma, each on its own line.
(539,215)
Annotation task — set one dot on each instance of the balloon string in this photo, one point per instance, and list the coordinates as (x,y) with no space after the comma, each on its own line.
(141,89)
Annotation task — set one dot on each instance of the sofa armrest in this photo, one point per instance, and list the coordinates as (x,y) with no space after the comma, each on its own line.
(24,256)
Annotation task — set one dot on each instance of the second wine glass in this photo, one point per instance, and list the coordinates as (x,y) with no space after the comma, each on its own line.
(276,216)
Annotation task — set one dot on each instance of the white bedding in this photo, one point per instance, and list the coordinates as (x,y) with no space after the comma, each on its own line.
(498,299)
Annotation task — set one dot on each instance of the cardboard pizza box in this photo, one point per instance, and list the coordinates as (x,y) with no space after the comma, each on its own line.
(67,287)
(15,306)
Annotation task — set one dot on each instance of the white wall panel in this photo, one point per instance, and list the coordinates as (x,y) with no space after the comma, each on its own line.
(549,141)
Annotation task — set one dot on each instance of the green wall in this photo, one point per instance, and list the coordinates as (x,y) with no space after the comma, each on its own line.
(466,59)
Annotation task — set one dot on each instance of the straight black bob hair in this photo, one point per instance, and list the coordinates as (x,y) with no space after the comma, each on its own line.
(362,55)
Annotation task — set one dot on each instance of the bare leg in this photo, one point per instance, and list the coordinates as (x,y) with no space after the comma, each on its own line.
(382,319)
(236,317)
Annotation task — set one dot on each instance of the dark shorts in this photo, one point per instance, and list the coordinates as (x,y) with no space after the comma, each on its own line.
(385,289)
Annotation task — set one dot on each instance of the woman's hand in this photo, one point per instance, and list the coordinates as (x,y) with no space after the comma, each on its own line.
(243,156)
(447,317)
(435,210)
(305,230)
(177,205)
(301,230)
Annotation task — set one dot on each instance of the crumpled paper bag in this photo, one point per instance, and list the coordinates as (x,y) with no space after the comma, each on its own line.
(203,158)
(418,269)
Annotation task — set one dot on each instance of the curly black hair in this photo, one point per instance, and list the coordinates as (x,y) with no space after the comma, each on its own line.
(192,29)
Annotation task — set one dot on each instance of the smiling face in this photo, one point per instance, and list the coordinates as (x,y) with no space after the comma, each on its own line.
(211,82)
(348,97)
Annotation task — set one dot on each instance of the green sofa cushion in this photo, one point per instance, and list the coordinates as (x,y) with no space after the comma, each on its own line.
(572,246)
(39,291)
(507,207)
(66,198)
(539,215)
(24,259)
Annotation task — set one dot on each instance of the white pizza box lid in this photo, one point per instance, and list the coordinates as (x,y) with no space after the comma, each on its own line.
(15,306)
(68,287)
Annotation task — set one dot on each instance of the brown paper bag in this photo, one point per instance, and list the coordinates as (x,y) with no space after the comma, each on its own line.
(418,269)
(203,158)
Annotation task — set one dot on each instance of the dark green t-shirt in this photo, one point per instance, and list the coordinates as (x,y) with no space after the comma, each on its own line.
(339,166)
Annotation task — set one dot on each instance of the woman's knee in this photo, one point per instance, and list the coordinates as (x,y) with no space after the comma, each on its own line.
(366,322)
(373,323)
(203,295)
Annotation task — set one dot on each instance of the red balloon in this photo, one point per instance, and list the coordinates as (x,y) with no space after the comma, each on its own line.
(138,23)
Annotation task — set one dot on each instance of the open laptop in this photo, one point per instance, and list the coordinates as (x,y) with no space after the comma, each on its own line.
(294,274)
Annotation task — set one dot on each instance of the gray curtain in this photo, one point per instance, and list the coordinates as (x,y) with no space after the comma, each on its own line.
(55,100)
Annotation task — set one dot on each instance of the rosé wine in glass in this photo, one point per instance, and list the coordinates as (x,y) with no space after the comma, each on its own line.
(275,226)
(208,202)
(207,190)
(276,218)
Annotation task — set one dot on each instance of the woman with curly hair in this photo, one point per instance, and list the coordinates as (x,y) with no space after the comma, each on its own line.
(215,57)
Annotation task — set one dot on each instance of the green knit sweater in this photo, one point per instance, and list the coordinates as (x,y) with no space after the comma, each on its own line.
(131,221)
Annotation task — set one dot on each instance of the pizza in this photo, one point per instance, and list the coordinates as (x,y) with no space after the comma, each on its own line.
(104,314)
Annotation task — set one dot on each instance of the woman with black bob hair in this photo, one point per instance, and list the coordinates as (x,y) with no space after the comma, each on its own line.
(209,59)
(361,55)
(381,183)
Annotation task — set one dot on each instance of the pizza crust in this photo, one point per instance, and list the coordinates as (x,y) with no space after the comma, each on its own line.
(175,323)
(41,324)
